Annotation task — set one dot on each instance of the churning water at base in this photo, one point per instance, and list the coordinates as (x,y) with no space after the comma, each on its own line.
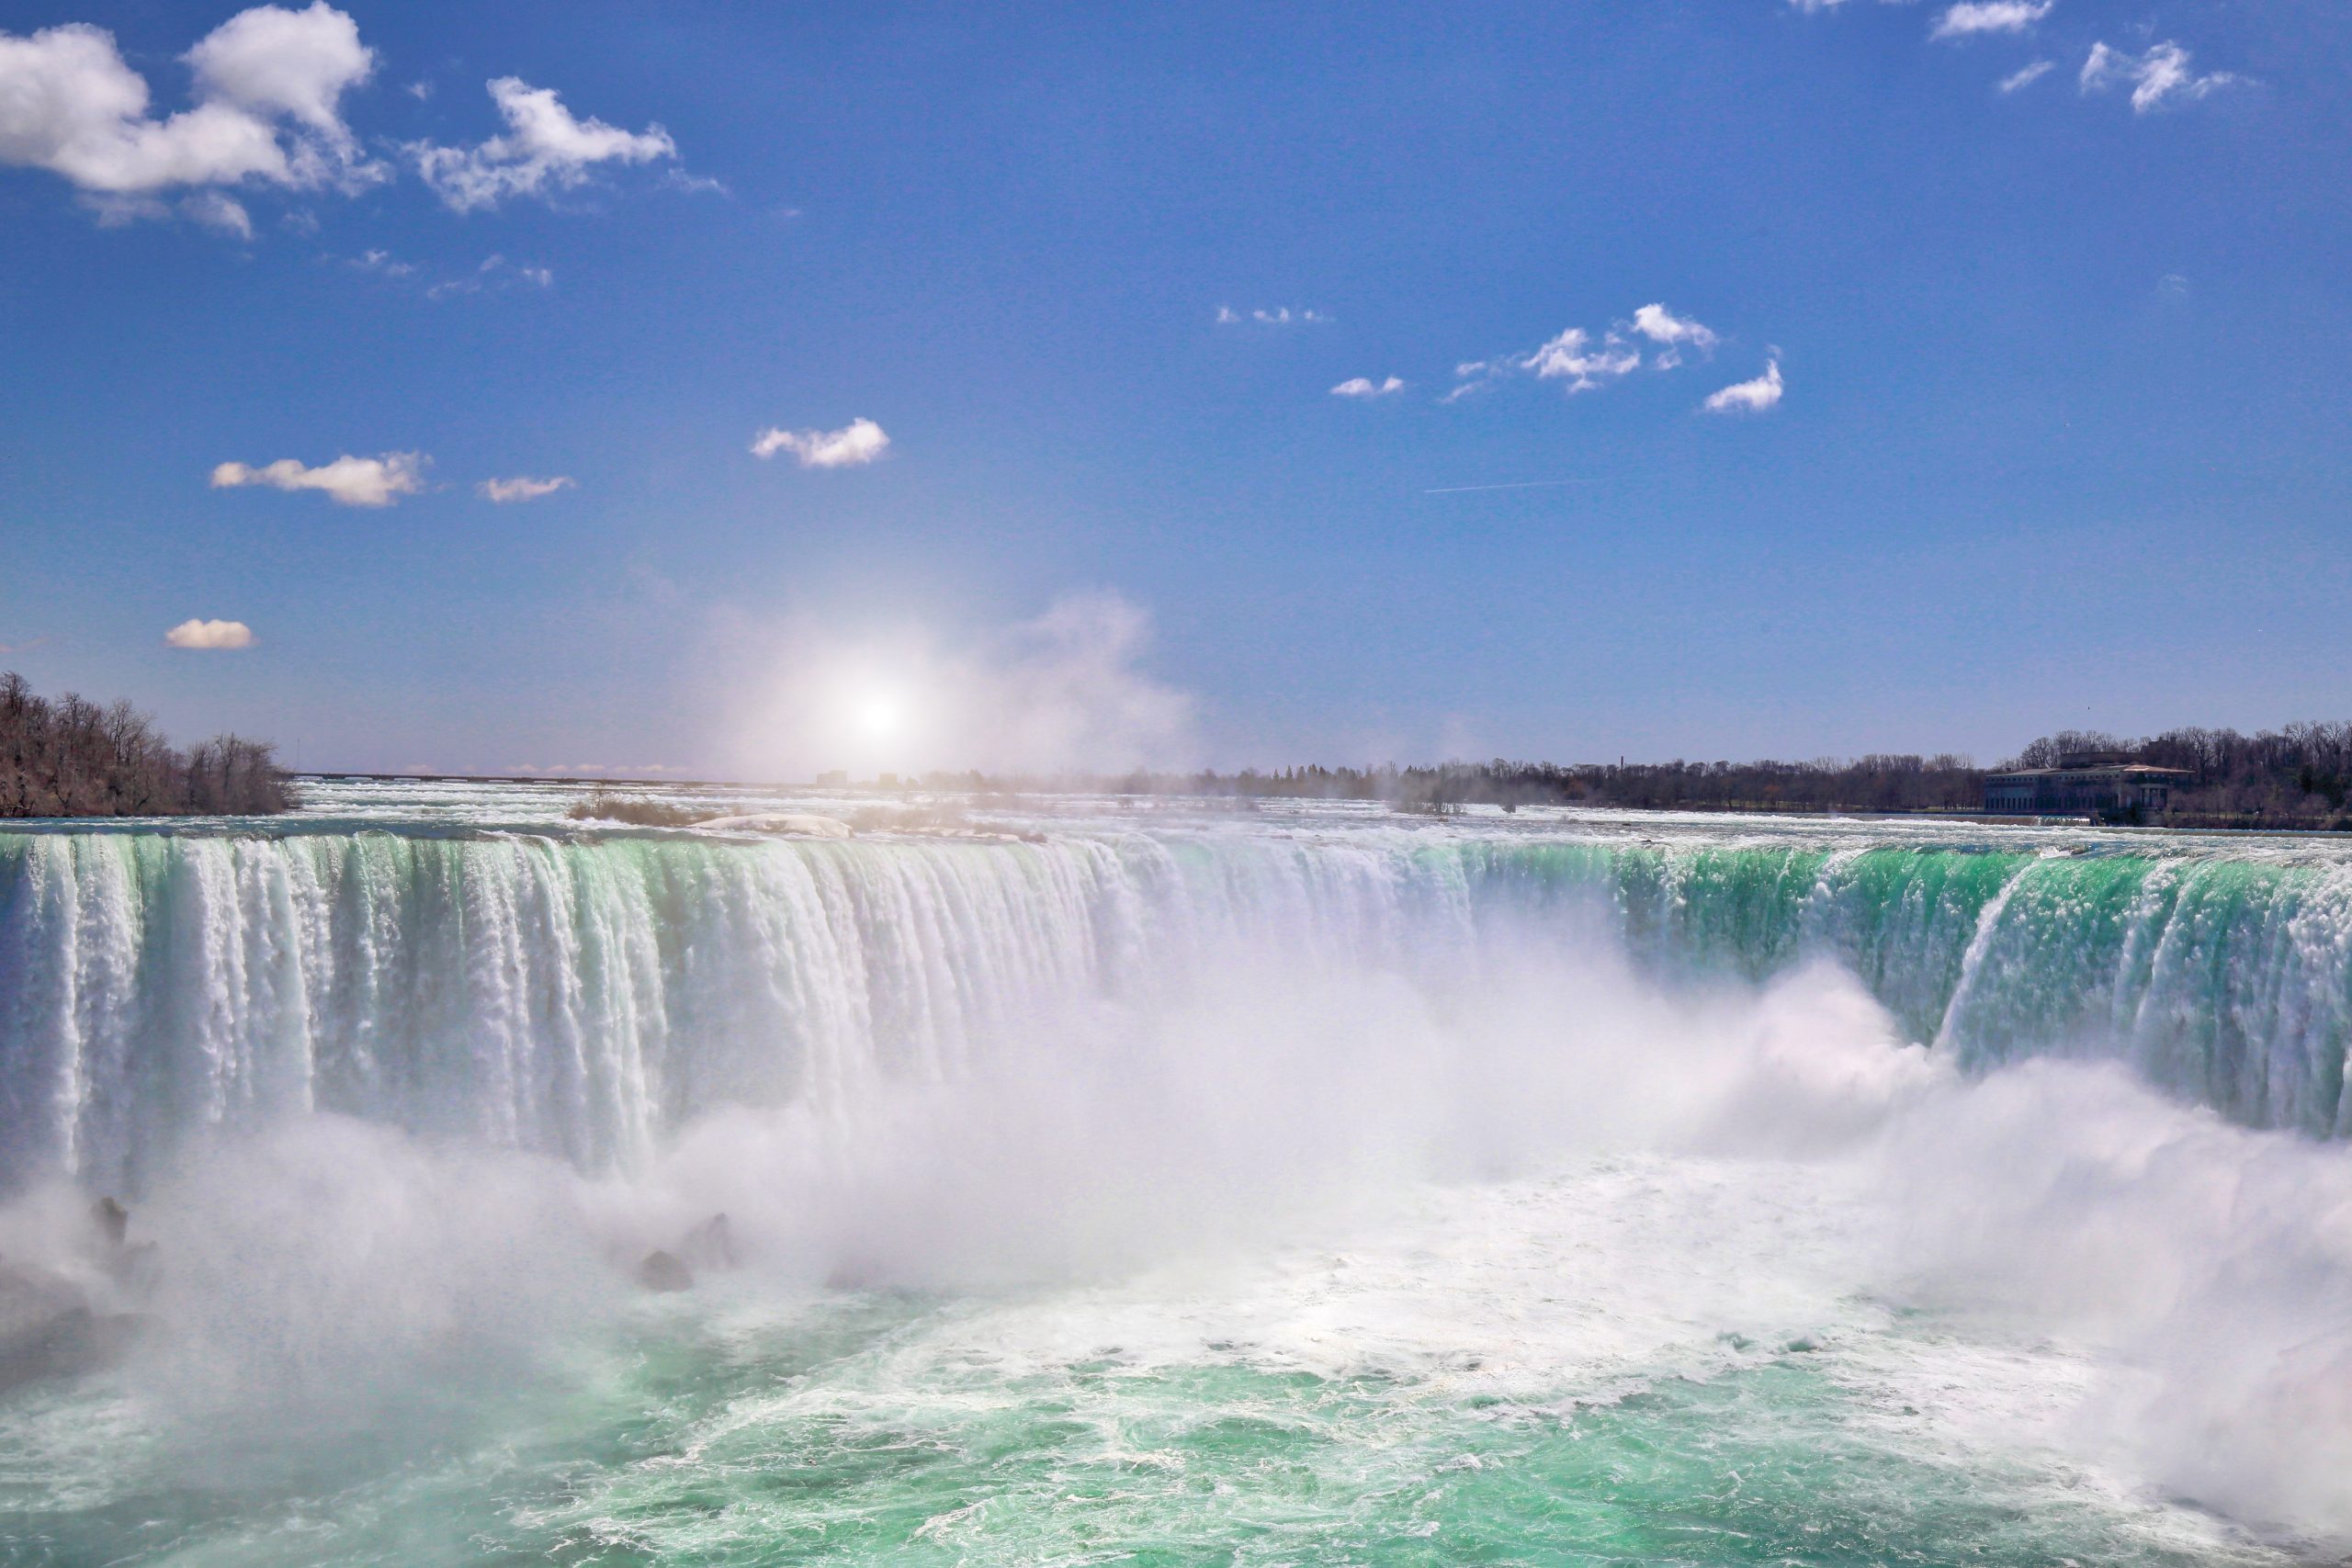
(1307,1185)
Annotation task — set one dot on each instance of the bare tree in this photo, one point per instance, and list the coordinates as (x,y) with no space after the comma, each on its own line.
(73,758)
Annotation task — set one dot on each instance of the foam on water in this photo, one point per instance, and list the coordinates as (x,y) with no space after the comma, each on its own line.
(1306,1188)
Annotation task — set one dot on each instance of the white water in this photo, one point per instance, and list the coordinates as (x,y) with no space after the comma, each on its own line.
(1318,1094)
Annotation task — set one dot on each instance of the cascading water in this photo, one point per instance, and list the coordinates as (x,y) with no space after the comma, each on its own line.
(1310,1185)
(582,996)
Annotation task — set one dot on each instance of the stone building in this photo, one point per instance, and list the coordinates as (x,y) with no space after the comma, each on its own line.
(2084,786)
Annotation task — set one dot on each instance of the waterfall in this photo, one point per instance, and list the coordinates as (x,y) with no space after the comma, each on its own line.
(581,996)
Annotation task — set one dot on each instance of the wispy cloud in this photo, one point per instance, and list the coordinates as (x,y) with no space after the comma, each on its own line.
(1586,363)
(859,442)
(544,149)
(1974,19)
(1281,316)
(1749,396)
(495,273)
(347,482)
(209,635)
(2026,76)
(269,86)
(383,264)
(522,488)
(219,212)
(1365,386)
(2158,76)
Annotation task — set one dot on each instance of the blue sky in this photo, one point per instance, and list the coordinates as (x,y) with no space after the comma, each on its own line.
(2059,436)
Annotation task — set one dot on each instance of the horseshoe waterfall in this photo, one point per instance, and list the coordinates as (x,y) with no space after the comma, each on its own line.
(1099,1180)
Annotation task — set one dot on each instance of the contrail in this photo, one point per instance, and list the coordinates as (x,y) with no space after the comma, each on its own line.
(1528,484)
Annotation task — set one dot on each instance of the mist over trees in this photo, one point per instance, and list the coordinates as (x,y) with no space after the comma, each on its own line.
(72,758)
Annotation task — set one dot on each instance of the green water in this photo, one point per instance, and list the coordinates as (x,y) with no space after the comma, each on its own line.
(1510,1377)
(792,1446)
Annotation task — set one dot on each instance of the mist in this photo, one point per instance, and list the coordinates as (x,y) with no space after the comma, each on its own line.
(1068,691)
(1821,1178)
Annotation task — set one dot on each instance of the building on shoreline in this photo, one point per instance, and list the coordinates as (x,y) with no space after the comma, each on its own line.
(2084,786)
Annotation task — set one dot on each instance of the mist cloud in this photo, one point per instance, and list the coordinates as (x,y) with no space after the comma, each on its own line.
(1064,692)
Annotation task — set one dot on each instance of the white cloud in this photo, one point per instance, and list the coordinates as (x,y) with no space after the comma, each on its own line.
(522,488)
(545,147)
(1365,386)
(2159,75)
(269,86)
(1673,333)
(349,481)
(1749,396)
(857,442)
(2026,76)
(209,635)
(1585,363)
(277,61)
(1573,357)
(1974,19)
(1659,324)
(383,262)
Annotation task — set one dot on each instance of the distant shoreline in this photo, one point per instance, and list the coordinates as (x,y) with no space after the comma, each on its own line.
(966,784)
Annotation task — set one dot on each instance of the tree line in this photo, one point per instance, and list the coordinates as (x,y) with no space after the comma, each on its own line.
(71,757)
(2299,775)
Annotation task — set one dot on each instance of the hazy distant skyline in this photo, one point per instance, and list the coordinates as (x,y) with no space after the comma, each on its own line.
(726,389)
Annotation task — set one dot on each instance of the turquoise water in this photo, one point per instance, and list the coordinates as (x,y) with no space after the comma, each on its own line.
(1117,1423)
(1310,1185)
